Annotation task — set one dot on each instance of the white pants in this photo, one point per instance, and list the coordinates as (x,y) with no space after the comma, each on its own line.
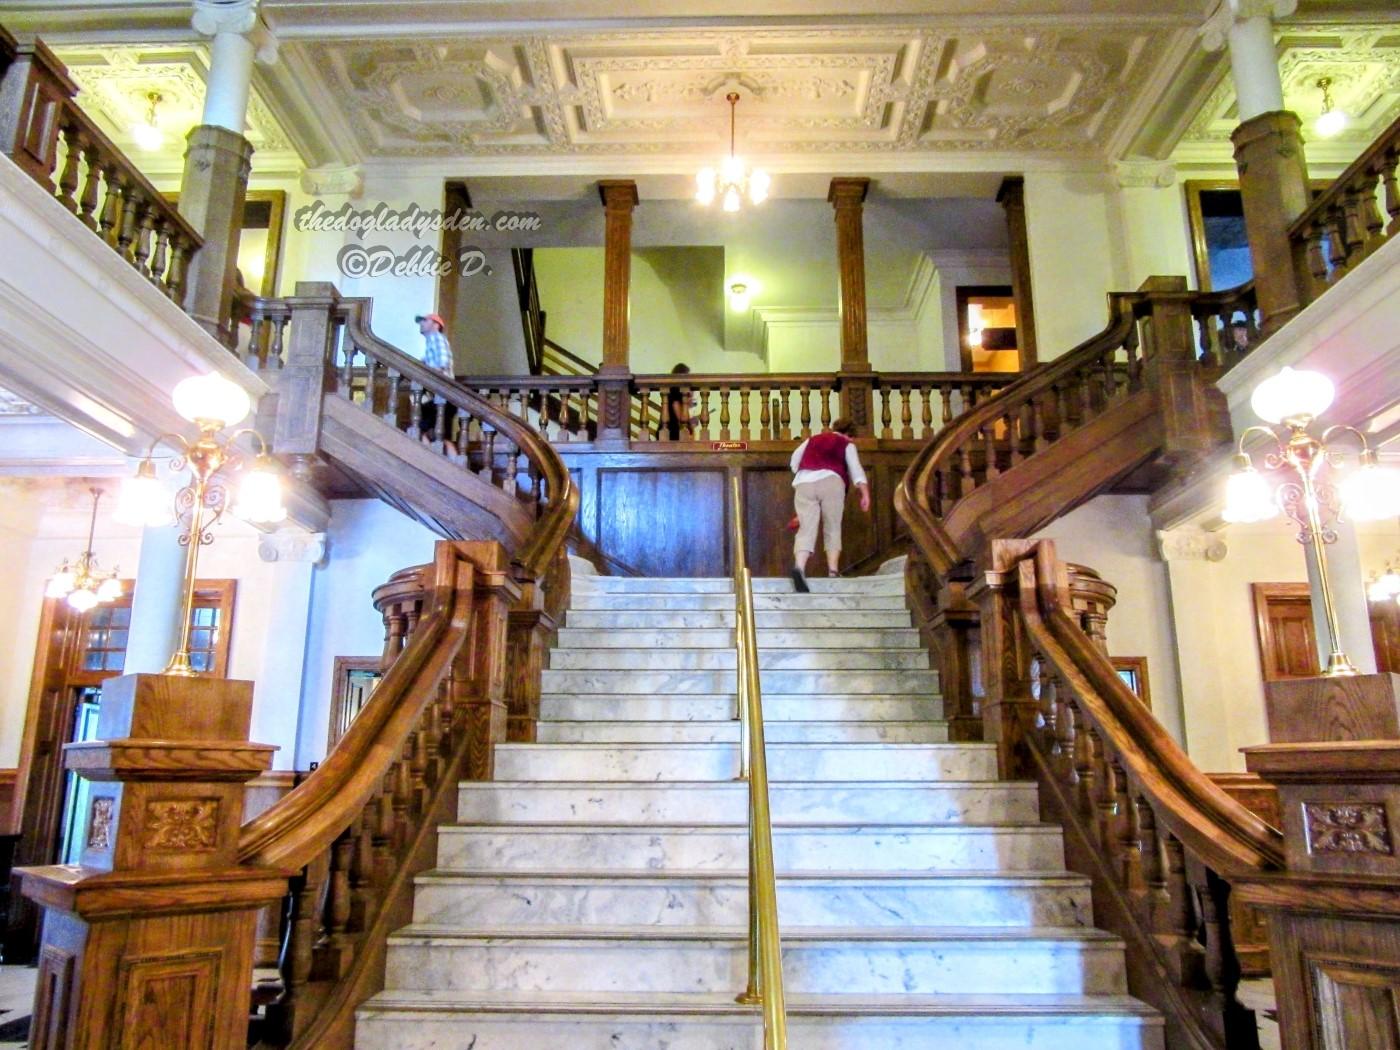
(822,501)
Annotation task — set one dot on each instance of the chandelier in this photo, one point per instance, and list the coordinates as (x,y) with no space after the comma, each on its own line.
(733,181)
(1386,586)
(82,584)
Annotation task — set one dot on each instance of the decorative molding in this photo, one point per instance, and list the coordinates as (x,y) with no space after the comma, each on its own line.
(290,546)
(1143,173)
(188,825)
(1191,544)
(1347,827)
(347,179)
(1216,30)
(101,817)
(212,17)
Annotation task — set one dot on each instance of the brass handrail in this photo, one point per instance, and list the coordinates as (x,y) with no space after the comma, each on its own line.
(765,986)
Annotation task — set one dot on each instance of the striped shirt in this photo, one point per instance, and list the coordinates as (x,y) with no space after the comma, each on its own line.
(437,353)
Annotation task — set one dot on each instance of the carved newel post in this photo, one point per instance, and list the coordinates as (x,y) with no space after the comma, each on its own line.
(1334,913)
(149,941)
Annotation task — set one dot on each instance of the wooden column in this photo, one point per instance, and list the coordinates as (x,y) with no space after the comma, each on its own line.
(478,677)
(306,374)
(150,941)
(847,197)
(1274,191)
(212,194)
(615,376)
(1012,197)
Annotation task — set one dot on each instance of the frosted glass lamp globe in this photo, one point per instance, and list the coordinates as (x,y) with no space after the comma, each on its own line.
(1292,394)
(211,399)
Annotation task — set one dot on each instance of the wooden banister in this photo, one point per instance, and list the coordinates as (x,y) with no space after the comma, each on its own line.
(46,133)
(1345,223)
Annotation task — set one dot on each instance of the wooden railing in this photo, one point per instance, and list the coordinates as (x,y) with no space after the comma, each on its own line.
(363,824)
(1345,223)
(43,130)
(1159,839)
(563,408)
(1227,326)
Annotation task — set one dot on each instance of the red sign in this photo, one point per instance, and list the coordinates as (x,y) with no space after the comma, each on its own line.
(729,446)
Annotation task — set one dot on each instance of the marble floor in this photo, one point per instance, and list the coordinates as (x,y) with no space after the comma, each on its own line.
(1258,995)
(16,999)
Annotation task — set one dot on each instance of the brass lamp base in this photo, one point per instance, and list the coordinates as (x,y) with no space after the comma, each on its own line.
(1338,666)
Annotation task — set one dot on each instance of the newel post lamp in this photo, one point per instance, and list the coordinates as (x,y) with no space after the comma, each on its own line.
(214,461)
(1305,478)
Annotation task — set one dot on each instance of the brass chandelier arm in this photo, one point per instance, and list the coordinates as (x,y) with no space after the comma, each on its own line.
(1257,429)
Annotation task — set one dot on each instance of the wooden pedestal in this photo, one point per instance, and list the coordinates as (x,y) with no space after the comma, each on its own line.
(149,941)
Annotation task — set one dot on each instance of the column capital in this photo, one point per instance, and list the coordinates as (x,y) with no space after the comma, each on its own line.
(347,179)
(240,17)
(290,546)
(1135,173)
(1229,13)
(618,193)
(1191,544)
(848,191)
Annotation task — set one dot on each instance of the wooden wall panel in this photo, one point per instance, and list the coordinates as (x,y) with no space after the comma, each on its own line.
(665,522)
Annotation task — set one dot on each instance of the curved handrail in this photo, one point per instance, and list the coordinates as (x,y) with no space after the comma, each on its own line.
(1185,798)
(917,498)
(561,506)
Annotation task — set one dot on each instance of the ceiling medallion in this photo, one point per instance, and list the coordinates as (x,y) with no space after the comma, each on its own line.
(734,181)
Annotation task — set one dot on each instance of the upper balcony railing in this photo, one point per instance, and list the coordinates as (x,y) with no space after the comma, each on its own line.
(43,130)
(1344,225)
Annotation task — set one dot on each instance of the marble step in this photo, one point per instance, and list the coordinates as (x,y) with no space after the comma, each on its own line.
(878,584)
(727,731)
(716,706)
(576,847)
(679,659)
(723,638)
(774,681)
(889,583)
(811,762)
(628,601)
(849,960)
(553,1021)
(787,619)
(723,706)
(875,802)
(485,900)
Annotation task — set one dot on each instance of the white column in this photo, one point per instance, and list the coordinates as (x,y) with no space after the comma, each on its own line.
(1348,582)
(277,694)
(1247,27)
(238,38)
(155,605)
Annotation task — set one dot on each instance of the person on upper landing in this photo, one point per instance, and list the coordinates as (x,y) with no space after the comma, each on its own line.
(823,466)
(678,405)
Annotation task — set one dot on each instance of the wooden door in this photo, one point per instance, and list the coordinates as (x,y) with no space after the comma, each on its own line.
(1287,640)
(1385,635)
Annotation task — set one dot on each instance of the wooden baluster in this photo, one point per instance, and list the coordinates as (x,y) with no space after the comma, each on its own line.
(536,484)
(1110,376)
(906,414)
(785,412)
(383,832)
(745,420)
(724,412)
(141,247)
(1353,225)
(885,417)
(986,435)
(1038,440)
(1045,707)
(1371,217)
(765,418)
(1176,916)
(512,468)
(1154,876)
(805,404)
(945,391)
(160,254)
(1067,734)
(967,482)
(131,223)
(927,398)
(1126,830)
(1392,191)
(1103,797)
(109,225)
(825,393)
(1337,241)
(702,426)
(179,269)
(646,416)
(1016,432)
(1317,258)
(301,938)
(88,204)
(68,180)
(1084,771)
(390,414)
(1222,967)
(362,871)
(488,471)
(403,801)
(337,918)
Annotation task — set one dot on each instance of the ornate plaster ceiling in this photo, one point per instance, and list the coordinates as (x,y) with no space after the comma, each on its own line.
(1363,62)
(116,82)
(1033,89)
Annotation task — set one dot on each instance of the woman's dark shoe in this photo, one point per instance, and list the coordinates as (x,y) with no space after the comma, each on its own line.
(799,582)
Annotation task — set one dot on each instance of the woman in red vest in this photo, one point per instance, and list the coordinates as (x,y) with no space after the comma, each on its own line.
(823,466)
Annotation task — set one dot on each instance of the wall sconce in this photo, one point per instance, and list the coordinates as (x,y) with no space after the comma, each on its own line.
(1306,495)
(739,296)
(212,403)
(147,133)
(1331,121)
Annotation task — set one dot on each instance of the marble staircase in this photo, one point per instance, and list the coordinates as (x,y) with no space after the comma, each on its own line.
(594,895)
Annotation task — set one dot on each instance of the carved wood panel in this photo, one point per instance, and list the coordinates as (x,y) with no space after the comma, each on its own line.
(665,522)
(1356,1004)
(172,993)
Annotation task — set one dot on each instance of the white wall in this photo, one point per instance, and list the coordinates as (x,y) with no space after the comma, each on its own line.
(1113,536)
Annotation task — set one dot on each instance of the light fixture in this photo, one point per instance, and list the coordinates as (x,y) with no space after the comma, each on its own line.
(740,295)
(147,133)
(1386,586)
(1306,493)
(975,331)
(82,584)
(733,181)
(212,403)
(1331,121)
